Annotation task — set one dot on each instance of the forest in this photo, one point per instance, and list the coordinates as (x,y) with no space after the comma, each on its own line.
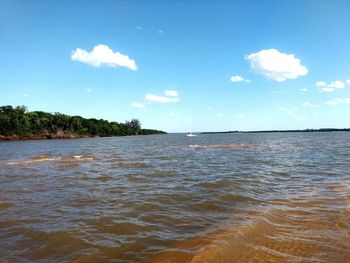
(19,123)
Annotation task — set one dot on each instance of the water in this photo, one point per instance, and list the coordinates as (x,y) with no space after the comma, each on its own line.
(281,197)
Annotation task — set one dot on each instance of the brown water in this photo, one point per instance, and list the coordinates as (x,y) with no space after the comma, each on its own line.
(171,198)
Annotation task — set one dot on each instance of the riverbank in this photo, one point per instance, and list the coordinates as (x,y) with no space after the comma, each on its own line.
(16,123)
(58,136)
(43,137)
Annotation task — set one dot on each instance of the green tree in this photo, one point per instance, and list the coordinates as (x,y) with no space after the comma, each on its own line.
(17,121)
(134,125)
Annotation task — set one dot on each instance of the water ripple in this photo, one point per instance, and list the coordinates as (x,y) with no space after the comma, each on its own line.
(210,198)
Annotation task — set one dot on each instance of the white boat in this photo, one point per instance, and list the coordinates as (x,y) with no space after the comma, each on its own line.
(191,135)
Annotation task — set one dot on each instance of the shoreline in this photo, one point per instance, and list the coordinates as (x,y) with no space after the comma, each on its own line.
(58,137)
(283,131)
(43,137)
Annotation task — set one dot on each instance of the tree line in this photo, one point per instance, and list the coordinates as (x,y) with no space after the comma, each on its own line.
(17,121)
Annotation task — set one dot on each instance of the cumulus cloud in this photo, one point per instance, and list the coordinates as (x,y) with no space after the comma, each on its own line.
(102,55)
(321,84)
(337,84)
(348,81)
(240,116)
(238,78)
(170,96)
(290,111)
(276,65)
(138,105)
(332,102)
(329,87)
(307,104)
(337,101)
(171,93)
(160,99)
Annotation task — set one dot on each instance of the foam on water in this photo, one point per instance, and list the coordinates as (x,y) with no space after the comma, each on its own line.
(222,146)
(45,158)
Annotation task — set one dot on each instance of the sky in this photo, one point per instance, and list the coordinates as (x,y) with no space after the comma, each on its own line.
(180,66)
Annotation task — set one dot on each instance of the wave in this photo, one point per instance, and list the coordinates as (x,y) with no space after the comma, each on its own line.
(222,146)
(297,230)
(314,227)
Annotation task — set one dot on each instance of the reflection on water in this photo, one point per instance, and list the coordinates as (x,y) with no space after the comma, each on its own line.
(172,198)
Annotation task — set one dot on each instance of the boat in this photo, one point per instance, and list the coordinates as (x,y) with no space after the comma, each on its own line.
(191,134)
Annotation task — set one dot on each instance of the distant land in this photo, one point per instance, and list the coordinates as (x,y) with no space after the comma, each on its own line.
(16,123)
(275,131)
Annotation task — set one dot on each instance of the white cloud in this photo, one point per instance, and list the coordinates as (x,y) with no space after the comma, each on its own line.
(337,101)
(138,105)
(289,111)
(304,90)
(173,114)
(88,90)
(170,96)
(321,84)
(276,65)
(160,99)
(219,115)
(171,93)
(240,116)
(307,104)
(102,55)
(348,81)
(238,78)
(329,87)
(332,102)
(209,108)
(337,84)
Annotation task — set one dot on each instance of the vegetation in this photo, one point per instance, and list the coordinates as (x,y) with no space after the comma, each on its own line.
(134,125)
(18,122)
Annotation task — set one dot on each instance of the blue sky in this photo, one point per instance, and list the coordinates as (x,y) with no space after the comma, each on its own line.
(183,65)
